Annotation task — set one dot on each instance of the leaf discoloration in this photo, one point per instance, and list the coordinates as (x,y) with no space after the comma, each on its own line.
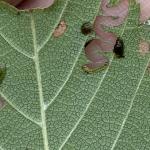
(144,48)
(61,28)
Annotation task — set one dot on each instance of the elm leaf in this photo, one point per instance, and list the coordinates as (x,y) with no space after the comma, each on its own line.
(51,103)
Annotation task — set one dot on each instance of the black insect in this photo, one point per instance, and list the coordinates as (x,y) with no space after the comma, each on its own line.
(119,48)
(86,28)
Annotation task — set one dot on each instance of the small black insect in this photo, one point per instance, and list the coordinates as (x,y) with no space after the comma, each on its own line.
(86,28)
(119,48)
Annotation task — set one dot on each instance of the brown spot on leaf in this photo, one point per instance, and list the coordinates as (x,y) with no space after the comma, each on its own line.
(60,29)
(143,47)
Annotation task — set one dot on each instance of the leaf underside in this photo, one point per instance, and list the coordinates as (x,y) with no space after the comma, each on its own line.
(51,103)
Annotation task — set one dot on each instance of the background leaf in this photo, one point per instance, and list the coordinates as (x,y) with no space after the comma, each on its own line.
(51,103)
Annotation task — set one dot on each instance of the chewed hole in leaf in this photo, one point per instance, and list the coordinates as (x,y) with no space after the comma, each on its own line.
(95,56)
(30,4)
(144,10)
(143,47)
(87,43)
(2,73)
(60,29)
(112,17)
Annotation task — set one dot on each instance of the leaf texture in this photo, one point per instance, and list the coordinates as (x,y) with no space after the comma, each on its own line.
(51,103)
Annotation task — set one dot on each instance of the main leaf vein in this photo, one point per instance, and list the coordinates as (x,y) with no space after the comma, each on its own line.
(39,81)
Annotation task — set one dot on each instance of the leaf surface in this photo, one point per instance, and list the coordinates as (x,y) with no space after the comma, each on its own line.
(51,103)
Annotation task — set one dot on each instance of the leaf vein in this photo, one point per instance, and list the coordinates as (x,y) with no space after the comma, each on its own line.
(129,110)
(87,107)
(40,88)
(65,82)
(57,22)
(27,117)
(11,44)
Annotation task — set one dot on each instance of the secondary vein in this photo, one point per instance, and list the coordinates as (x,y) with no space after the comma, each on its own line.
(57,22)
(87,107)
(129,110)
(14,107)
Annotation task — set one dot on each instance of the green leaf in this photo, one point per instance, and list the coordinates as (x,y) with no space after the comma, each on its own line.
(51,103)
